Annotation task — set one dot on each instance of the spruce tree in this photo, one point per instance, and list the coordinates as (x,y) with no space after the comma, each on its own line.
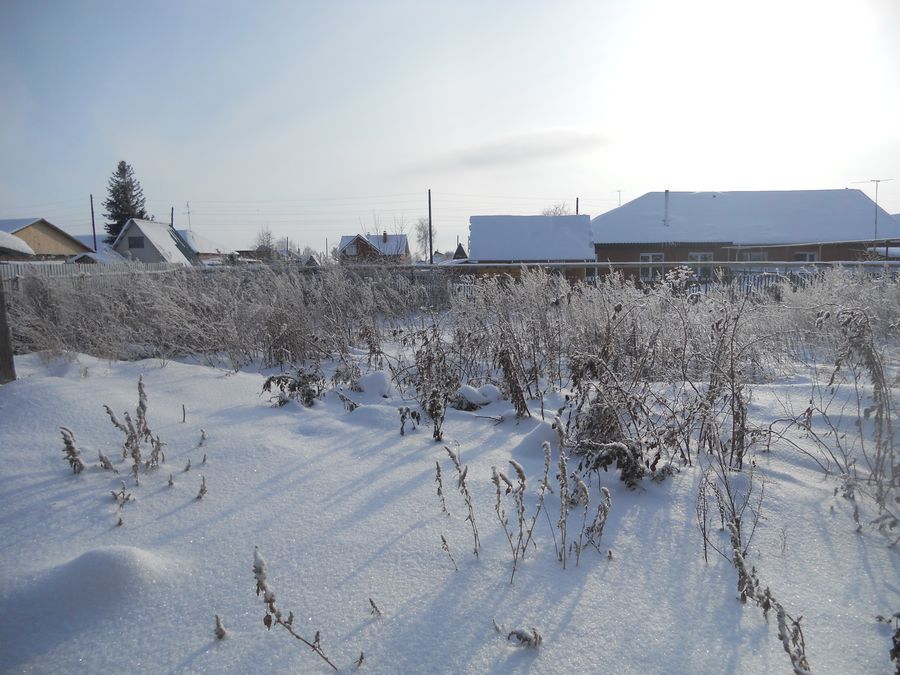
(125,200)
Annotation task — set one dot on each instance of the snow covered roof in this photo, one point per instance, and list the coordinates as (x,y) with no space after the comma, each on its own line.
(105,254)
(10,242)
(535,238)
(745,218)
(200,244)
(386,244)
(164,239)
(12,225)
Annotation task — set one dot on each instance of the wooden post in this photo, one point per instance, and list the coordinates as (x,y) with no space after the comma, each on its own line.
(430,249)
(7,367)
(93,226)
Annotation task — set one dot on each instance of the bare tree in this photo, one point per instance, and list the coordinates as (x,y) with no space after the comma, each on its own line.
(400,225)
(422,236)
(561,209)
(264,244)
(310,251)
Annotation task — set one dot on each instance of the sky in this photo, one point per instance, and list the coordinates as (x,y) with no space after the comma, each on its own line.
(320,119)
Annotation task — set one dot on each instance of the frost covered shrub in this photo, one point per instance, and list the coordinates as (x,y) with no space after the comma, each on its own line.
(431,374)
(305,386)
(275,315)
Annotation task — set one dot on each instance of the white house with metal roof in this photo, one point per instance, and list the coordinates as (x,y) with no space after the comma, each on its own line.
(788,225)
(531,239)
(152,242)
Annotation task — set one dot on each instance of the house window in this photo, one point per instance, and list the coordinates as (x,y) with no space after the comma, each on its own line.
(351,249)
(702,271)
(753,256)
(651,273)
(135,242)
(805,256)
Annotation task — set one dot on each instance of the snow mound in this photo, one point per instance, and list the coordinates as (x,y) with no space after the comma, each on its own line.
(472,395)
(102,576)
(490,392)
(377,382)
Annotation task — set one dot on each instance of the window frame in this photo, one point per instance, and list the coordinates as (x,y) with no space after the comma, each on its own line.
(651,274)
(702,271)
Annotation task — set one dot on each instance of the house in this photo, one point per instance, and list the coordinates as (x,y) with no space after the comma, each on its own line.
(705,227)
(531,239)
(13,248)
(44,238)
(202,249)
(151,242)
(373,249)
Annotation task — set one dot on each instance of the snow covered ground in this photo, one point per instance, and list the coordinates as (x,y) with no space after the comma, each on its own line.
(344,510)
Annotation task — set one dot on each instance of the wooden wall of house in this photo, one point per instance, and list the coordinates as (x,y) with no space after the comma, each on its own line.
(148,254)
(672,252)
(728,253)
(48,242)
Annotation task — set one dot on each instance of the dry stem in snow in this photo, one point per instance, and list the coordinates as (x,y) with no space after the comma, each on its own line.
(467,496)
(526,638)
(440,486)
(105,463)
(273,613)
(584,497)
(563,478)
(446,548)
(220,629)
(595,529)
(70,450)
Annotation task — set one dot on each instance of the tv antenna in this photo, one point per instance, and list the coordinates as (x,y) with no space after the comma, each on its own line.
(876,181)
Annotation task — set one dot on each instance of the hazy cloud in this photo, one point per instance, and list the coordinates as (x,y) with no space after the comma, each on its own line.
(518,148)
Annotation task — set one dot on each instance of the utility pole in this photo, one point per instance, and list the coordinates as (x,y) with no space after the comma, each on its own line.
(576,206)
(7,366)
(187,205)
(876,181)
(93,226)
(172,217)
(430,248)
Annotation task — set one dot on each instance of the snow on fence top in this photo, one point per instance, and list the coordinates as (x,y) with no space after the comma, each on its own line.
(745,218)
(530,238)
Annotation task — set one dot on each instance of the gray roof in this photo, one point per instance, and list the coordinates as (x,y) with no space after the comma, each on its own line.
(12,225)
